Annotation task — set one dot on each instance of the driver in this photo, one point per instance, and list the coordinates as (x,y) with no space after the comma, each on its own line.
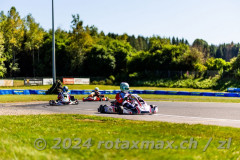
(121,97)
(64,90)
(96,93)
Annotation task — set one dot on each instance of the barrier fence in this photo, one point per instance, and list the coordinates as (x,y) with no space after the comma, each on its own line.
(86,92)
(233,89)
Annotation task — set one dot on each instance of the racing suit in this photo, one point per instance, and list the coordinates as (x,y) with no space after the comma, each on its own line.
(95,94)
(120,98)
(61,95)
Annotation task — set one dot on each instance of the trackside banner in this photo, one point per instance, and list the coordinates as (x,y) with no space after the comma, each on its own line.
(33,82)
(47,81)
(68,80)
(81,80)
(6,82)
(76,80)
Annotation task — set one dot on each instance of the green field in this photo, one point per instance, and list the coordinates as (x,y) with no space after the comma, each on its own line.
(147,97)
(28,98)
(18,134)
(110,87)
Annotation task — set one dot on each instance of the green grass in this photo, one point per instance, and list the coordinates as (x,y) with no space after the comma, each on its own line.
(28,98)
(18,134)
(110,87)
(147,97)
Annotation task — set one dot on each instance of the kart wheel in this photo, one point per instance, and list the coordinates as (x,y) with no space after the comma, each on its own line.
(101,109)
(120,109)
(72,98)
(76,102)
(153,109)
(51,102)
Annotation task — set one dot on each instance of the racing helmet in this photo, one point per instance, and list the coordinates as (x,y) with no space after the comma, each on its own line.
(124,86)
(65,89)
(96,89)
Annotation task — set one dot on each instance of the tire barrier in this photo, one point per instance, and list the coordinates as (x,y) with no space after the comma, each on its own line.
(233,89)
(21,91)
(87,92)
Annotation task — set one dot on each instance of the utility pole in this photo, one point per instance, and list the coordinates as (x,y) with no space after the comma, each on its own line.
(53,47)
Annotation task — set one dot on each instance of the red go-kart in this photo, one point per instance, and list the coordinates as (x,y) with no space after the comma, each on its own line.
(96,98)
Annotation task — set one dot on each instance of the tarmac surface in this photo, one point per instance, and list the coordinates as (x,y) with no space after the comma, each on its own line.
(221,114)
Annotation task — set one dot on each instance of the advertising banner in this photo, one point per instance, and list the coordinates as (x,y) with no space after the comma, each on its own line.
(6,82)
(68,80)
(81,80)
(47,81)
(33,82)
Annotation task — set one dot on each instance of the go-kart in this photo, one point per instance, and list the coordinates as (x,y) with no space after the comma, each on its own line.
(65,99)
(140,106)
(95,98)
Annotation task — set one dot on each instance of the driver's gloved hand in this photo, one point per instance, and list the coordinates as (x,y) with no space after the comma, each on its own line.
(125,98)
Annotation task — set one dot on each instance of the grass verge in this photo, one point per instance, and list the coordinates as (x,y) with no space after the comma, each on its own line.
(18,134)
(110,87)
(147,97)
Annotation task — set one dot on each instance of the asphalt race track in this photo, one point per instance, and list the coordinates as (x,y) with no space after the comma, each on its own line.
(222,114)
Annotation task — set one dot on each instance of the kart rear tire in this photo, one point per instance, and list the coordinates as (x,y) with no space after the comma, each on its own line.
(120,109)
(101,109)
(51,102)
(72,98)
(76,102)
(153,108)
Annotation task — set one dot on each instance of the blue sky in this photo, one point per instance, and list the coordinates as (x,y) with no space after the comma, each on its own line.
(216,21)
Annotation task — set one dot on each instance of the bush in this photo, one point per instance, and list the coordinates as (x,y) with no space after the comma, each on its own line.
(133,75)
(237,73)
(102,82)
(217,64)
(94,82)
(109,82)
(112,78)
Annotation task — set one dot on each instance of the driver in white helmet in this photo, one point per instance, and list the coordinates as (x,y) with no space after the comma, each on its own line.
(122,96)
(64,91)
(96,93)
(124,86)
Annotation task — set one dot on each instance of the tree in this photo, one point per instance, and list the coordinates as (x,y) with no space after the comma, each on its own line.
(219,53)
(13,32)
(173,40)
(192,59)
(202,46)
(80,42)
(99,62)
(34,38)
(121,50)
(217,64)
(157,43)
(2,58)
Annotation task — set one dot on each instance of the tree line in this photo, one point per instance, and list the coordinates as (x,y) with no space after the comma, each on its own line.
(25,51)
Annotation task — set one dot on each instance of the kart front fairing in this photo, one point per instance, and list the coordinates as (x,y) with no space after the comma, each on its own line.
(64,99)
(139,106)
(95,98)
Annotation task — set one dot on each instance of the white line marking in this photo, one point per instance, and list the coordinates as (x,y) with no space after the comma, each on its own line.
(217,119)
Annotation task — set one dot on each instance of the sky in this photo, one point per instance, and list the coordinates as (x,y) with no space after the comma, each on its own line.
(216,21)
